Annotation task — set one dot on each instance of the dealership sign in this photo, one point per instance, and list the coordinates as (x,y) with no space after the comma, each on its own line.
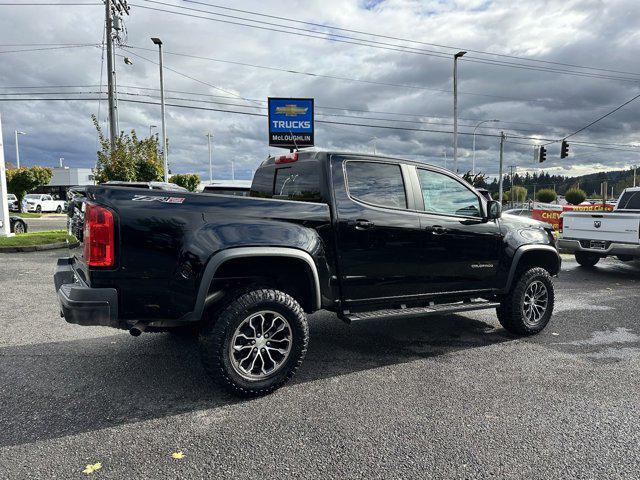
(291,122)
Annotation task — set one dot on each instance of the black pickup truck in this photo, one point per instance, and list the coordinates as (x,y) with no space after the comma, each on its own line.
(364,236)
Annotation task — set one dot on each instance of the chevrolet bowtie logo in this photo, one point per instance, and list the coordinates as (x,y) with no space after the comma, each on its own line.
(291,110)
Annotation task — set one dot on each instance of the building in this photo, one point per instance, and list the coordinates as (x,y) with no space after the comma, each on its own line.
(64,177)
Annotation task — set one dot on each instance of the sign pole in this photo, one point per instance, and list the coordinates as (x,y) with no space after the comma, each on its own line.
(5,229)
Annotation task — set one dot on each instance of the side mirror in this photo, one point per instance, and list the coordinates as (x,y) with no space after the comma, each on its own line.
(494,210)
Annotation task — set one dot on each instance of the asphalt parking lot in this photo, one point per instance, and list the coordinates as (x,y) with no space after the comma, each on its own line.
(50,221)
(440,397)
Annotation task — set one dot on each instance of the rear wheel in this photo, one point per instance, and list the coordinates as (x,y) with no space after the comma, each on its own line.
(528,307)
(586,259)
(256,343)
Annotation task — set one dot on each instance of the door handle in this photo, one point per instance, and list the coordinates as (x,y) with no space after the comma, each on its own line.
(436,229)
(361,224)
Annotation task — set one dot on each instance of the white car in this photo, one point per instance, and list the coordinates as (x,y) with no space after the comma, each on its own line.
(12,200)
(40,202)
(595,235)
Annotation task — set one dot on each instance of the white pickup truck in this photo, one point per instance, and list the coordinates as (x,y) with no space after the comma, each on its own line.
(37,202)
(595,235)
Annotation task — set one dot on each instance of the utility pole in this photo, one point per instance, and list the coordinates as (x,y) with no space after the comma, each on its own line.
(635,167)
(502,137)
(111,76)
(233,170)
(444,153)
(455,110)
(511,167)
(158,42)
(209,135)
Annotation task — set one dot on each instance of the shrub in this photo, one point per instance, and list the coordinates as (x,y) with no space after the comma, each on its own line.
(575,196)
(546,195)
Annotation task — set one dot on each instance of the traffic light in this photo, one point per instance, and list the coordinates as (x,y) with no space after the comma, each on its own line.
(564,149)
(543,154)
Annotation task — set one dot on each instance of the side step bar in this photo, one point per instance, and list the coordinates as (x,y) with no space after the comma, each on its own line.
(419,311)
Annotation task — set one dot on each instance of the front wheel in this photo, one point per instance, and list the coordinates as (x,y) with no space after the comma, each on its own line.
(256,343)
(528,307)
(586,259)
(38,209)
(59,209)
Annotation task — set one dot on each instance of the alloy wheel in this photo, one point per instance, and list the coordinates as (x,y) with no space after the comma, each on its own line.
(260,345)
(535,302)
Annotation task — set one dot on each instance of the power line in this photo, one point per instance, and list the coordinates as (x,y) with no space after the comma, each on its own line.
(409,40)
(602,117)
(50,48)
(364,42)
(336,77)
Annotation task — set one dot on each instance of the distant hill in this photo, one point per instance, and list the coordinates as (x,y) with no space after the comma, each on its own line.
(618,179)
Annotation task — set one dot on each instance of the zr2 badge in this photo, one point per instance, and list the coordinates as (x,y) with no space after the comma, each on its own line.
(153,198)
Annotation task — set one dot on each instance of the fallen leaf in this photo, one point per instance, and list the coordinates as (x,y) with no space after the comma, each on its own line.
(555,334)
(177,455)
(92,468)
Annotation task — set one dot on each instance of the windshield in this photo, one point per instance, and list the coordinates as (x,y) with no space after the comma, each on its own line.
(629,201)
(32,196)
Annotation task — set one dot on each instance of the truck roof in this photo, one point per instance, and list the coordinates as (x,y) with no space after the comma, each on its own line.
(322,155)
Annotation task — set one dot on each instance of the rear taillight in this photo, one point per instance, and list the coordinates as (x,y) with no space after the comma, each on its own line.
(560,224)
(99,248)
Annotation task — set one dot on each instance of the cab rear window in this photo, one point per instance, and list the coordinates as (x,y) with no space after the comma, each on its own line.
(629,201)
(295,181)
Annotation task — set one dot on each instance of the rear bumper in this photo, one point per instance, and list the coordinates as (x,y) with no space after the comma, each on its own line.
(567,245)
(81,304)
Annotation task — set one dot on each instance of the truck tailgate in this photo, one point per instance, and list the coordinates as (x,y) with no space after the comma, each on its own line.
(613,227)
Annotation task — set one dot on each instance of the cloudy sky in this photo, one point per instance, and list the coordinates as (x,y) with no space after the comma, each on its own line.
(537,86)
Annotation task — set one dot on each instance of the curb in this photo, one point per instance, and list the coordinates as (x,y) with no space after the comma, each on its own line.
(38,248)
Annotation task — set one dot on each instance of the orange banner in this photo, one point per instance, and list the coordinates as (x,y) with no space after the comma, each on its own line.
(550,213)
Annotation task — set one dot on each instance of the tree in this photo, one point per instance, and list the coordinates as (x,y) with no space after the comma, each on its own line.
(22,180)
(546,195)
(190,181)
(477,180)
(131,160)
(575,196)
(518,194)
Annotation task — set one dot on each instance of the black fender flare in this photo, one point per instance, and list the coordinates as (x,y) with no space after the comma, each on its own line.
(223,256)
(517,256)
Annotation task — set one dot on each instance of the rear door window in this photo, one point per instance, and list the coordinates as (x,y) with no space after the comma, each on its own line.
(376,183)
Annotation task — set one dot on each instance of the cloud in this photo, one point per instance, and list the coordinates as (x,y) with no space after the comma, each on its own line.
(530,102)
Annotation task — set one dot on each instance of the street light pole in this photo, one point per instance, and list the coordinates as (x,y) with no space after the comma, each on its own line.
(455,110)
(18,132)
(158,42)
(209,135)
(473,164)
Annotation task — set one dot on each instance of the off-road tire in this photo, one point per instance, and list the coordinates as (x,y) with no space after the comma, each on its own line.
(511,313)
(215,341)
(586,259)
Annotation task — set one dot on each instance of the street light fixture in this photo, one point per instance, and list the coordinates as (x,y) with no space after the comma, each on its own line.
(455,109)
(158,42)
(473,164)
(150,128)
(18,132)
